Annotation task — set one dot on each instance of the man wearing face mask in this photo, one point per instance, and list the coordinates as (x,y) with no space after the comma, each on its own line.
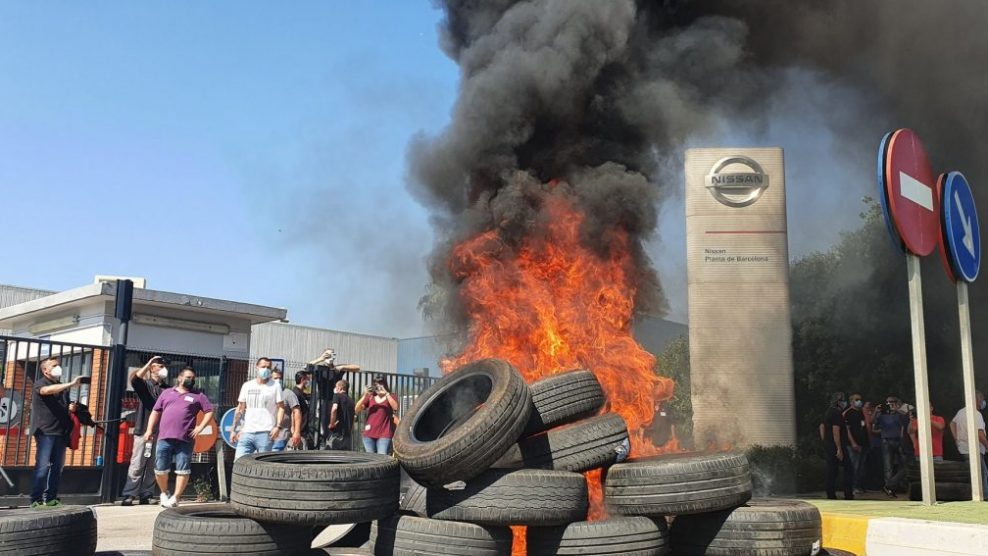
(290,434)
(147,383)
(958,428)
(52,426)
(177,409)
(857,436)
(262,407)
(835,444)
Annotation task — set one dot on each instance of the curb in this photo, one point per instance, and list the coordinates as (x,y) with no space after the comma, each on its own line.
(895,536)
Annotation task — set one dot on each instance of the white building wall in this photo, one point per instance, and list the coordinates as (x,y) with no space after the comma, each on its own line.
(299,344)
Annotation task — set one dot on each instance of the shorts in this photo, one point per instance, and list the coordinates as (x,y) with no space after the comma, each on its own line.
(178,450)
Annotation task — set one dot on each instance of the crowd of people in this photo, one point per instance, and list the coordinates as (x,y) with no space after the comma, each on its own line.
(872,443)
(269,417)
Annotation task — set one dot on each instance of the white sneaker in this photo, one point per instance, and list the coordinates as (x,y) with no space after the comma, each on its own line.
(163,499)
(171,502)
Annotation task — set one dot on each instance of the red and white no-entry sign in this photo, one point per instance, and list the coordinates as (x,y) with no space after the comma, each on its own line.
(912,193)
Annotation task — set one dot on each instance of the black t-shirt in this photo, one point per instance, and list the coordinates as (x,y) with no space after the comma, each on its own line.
(344,413)
(303,406)
(325,378)
(855,420)
(662,423)
(50,414)
(831,419)
(147,391)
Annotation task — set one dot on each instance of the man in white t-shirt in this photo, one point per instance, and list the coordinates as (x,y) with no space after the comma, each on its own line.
(261,404)
(958,427)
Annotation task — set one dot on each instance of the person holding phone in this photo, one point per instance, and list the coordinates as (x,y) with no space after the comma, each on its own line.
(147,382)
(52,430)
(381,407)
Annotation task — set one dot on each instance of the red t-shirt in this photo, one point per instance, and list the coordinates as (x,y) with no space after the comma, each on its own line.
(937,436)
(379,421)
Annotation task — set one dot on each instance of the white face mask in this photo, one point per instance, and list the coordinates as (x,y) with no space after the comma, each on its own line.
(55,372)
(163,372)
(277,382)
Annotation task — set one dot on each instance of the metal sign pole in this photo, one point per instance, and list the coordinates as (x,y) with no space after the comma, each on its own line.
(967,357)
(922,383)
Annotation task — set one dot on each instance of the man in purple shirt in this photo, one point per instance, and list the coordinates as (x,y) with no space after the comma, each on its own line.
(176,409)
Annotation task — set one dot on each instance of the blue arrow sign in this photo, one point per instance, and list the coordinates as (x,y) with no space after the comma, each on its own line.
(960,225)
(226,427)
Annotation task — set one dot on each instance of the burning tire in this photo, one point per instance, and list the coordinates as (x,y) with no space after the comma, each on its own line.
(638,536)
(55,531)
(405,535)
(946,492)
(463,423)
(678,484)
(315,488)
(215,530)
(563,398)
(523,497)
(578,447)
(759,528)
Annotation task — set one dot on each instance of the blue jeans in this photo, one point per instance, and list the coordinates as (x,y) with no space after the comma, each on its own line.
(49,458)
(168,450)
(379,445)
(251,442)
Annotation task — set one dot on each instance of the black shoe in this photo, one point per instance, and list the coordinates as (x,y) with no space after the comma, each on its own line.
(145,500)
(127,501)
(890,492)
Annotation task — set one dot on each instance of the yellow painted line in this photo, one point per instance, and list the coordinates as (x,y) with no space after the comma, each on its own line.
(846,532)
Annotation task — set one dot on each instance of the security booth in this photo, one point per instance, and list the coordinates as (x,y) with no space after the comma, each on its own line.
(78,326)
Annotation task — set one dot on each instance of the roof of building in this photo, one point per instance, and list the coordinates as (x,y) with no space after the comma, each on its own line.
(104,291)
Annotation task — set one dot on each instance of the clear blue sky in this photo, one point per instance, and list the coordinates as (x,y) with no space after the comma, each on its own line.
(252,151)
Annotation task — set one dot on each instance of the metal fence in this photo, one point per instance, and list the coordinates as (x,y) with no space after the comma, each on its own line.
(20,373)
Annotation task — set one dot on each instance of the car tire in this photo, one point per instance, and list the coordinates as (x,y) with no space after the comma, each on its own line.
(51,531)
(625,536)
(414,500)
(405,535)
(943,472)
(946,492)
(215,529)
(563,398)
(534,497)
(762,527)
(835,552)
(678,484)
(580,446)
(315,487)
(463,423)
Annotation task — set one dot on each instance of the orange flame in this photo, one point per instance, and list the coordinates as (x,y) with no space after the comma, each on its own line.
(550,304)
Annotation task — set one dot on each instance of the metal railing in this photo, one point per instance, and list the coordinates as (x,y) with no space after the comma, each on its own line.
(21,372)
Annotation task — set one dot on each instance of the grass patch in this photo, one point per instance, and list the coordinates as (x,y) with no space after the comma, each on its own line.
(958,512)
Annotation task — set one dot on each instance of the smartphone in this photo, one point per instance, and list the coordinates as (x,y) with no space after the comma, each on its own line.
(85,379)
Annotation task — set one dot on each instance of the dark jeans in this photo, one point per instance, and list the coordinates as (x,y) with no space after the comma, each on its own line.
(895,467)
(859,460)
(833,466)
(49,458)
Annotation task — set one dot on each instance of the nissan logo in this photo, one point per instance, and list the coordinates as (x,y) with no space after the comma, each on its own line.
(737,189)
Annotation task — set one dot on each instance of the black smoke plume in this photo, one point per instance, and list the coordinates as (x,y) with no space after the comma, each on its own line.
(602,94)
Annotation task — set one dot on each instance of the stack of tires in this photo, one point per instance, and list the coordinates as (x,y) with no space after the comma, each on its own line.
(952,481)
(276,499)
(486,452)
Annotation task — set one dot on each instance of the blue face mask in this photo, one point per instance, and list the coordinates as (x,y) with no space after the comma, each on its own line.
(264,373)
